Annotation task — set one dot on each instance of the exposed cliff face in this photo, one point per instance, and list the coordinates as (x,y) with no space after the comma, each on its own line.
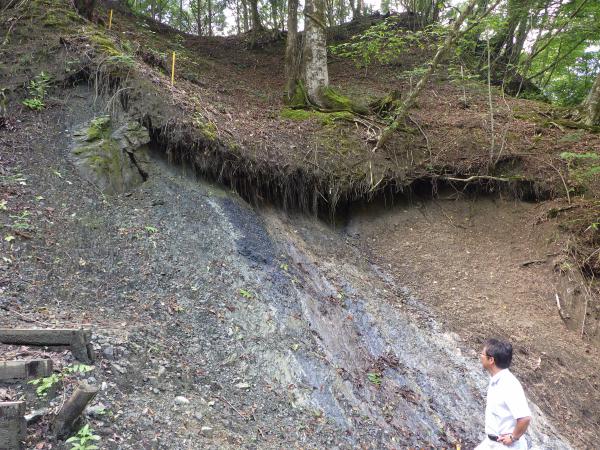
(276,330)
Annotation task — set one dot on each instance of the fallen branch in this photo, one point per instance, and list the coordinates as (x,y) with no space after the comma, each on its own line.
(534,261)
(477,177)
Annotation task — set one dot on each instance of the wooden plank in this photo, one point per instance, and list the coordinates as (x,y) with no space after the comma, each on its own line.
(73,408)
(23,370)
(13,426)
(77,339)
(43,337)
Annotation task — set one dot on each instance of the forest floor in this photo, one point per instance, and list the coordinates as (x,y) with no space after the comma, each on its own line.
(158,271)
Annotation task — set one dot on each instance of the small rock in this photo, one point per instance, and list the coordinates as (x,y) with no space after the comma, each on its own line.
(120,369)
(242,386)
(145,423)
(181,400)
(206,431)
(96,411)
(36,415)
(198,416)
(109,352)
(161,371)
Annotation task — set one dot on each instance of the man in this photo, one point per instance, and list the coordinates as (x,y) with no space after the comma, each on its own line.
(507,414)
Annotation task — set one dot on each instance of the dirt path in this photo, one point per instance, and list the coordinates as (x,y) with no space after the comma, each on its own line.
(464,260)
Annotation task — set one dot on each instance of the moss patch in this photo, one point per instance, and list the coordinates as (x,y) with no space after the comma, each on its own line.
(337,102)
(297,114)
(206,127)
(98,128)
(326,118)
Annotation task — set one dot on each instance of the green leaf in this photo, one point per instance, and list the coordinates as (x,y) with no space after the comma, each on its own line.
(246,294)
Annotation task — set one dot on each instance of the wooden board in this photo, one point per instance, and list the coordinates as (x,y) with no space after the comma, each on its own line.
(13,426)
(77,339)
(43,337)
(24,370)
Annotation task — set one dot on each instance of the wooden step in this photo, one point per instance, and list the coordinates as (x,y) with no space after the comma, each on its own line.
(78,340)
(25,369)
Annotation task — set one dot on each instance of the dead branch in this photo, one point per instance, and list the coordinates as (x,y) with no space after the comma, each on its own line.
(477,177)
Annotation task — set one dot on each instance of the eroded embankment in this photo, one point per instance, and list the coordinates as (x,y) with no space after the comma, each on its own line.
(276,330)
(360,349)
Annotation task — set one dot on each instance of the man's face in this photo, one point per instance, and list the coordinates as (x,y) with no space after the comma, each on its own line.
(486,360)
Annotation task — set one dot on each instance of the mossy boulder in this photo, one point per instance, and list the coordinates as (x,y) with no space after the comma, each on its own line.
(112,156)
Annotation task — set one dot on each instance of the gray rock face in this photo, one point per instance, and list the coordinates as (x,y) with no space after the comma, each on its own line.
(112,155)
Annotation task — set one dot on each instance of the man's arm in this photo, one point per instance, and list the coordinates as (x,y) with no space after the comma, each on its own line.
(520,429)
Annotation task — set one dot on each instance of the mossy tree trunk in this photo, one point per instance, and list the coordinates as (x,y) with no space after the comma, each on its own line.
(292,61)
(314,53)
(592,104)
(256,23)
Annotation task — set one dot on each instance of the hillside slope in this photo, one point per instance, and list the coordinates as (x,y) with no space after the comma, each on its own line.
(277,330)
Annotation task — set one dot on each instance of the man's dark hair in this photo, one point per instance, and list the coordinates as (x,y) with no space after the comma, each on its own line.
(501,351)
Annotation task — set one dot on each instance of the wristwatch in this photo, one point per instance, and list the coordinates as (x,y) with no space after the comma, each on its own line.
(512,438)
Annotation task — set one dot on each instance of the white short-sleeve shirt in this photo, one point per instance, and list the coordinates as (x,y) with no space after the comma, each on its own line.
(506,403)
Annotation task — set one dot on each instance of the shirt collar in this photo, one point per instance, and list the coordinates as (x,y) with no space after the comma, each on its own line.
(498,376)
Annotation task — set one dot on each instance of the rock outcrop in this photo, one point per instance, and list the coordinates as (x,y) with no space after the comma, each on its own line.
(112,155)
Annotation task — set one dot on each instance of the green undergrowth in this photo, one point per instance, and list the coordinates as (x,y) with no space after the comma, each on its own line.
(206,127)
(584,170)
(53,15)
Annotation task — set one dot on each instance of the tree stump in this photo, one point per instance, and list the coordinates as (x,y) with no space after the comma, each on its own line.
(72,409)
(13,426)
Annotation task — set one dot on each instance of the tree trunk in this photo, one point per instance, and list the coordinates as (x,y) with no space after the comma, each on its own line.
(237,17)
(341,11)
(291,51)
(210,17)
(245,15)
(314,54)
(199,17)
(273,4)
(352,2)
(86,8)
(592,104)
(357,13)
(256,24)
